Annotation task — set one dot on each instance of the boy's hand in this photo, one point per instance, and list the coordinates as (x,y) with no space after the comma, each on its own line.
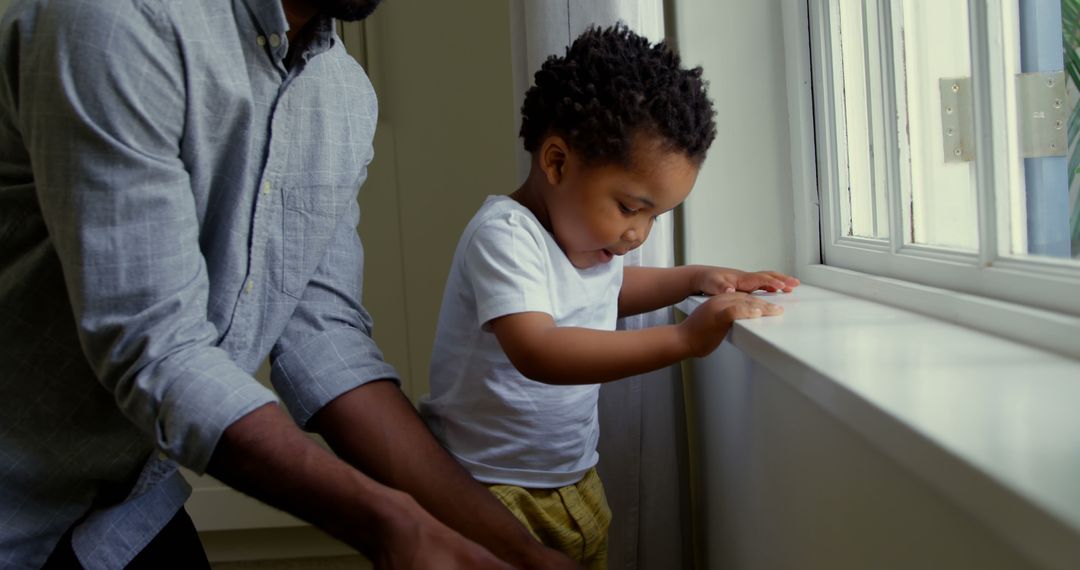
(716,280)
(706,327)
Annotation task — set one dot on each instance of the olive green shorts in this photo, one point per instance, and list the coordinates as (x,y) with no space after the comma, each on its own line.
(573,519)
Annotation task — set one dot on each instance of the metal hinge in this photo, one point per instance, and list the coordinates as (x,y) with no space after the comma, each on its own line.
(1041,113)
(957,123)
(1040,105)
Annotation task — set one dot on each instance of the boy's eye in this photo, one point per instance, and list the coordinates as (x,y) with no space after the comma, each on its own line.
(625,210)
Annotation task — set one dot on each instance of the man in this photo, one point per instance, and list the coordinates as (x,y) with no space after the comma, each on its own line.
(177,201)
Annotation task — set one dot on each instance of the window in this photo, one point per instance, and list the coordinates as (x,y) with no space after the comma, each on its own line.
(945,143)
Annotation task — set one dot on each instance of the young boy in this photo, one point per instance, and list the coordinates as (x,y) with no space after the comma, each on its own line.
(617,132)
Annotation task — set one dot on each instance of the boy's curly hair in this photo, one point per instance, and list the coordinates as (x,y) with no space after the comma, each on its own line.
(612,85)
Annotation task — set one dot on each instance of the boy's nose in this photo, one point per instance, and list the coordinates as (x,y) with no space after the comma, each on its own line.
(635,236)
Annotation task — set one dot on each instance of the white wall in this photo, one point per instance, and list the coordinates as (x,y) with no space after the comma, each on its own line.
(740,212)
(785,485)
(777,481)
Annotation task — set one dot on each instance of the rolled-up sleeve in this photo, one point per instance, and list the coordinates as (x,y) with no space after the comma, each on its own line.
(104,141)
(327,347)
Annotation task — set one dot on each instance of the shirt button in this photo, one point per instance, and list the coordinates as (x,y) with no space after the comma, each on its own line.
(249,286)
(266,187)
(261,40)
(275,40)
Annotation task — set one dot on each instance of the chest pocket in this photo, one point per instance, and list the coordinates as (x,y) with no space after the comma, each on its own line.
(310,215)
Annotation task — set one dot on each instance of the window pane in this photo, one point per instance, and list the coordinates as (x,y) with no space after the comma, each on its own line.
(863,204)
(1045,214)
(937,183)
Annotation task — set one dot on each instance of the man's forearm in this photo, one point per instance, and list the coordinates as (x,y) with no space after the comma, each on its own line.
(376,428)
(265,455)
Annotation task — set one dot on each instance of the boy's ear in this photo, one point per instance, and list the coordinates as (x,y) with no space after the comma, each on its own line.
(553,154)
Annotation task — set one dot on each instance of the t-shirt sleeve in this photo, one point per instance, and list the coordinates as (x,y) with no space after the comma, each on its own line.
(507,265)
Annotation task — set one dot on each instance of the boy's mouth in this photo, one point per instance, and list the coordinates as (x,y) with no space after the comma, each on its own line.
(606,256)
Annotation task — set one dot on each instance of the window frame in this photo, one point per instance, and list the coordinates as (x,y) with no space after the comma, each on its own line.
(1032,300)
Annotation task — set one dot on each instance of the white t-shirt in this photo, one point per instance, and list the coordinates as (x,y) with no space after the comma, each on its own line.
(503,427)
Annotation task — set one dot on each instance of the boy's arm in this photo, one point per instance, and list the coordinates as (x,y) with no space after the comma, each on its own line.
(646,289)
(548,353)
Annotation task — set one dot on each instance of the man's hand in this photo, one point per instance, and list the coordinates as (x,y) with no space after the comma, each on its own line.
(376,429)
(717,280)
(264,455)
(415,540)
(706,327)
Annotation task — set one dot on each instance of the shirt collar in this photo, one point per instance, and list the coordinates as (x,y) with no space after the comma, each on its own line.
(317,37)
(270,18)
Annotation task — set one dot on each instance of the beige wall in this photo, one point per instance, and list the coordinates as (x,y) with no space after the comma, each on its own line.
(446,140)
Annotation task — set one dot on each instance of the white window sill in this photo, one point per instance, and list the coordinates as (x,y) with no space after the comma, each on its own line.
(990,423)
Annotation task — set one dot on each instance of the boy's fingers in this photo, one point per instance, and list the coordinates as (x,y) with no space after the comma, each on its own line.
(771,309)
(720,286)
(749,310)
(756,281)
(767,309)
(745,312)
(773,281)
(787,282)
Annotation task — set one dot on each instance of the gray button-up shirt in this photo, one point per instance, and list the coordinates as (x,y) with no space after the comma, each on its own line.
(177,201)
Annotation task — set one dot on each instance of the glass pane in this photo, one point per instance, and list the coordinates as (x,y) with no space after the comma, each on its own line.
(863,204)
(931,44)
(1044,211)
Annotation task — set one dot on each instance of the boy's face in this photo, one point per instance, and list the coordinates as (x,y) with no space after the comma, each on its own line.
(600,211)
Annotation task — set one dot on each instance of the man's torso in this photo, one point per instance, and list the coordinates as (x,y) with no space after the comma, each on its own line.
(274,159)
